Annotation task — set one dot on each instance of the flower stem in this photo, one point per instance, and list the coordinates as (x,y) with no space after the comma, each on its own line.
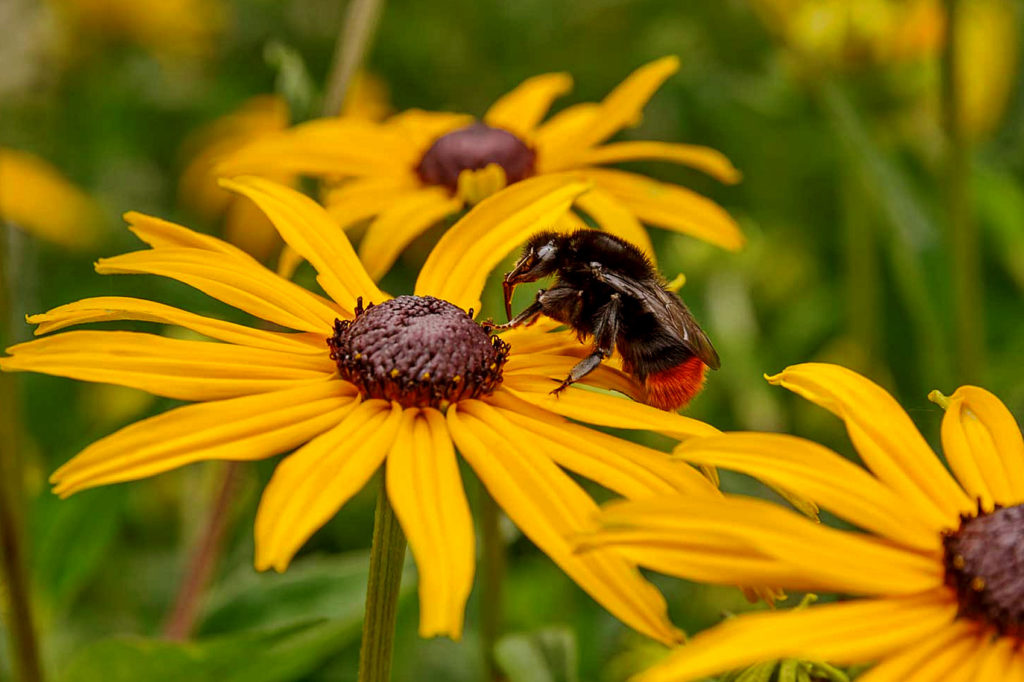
(387,556)
(493,559)
(963,232)
(361,18)
(23,645)
(204,559)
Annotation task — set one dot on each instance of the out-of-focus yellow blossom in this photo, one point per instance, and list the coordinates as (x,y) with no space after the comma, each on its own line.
(166,28)
(37,198)
(258,117)
(988,35)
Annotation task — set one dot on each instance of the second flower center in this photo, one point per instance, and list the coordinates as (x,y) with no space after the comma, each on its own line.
(418,351)
(985,565)
(474,147)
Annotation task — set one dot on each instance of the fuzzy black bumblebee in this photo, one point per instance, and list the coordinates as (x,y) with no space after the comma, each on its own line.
(607,289)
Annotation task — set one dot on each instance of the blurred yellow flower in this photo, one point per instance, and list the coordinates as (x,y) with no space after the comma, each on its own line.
(35,197)
(166,28)
(988,43)
(258,117)
(365,379)
(939,565)
(417,168)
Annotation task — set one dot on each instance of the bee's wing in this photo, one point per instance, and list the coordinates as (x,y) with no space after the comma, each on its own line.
(669,310)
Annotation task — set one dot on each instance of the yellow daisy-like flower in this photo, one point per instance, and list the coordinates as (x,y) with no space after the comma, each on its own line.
(259,117)
(414,169)
(37,198)
(939,564)
(366,379)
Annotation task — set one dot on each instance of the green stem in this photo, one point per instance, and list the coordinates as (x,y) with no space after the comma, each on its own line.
(387,555)
(962,230)
(23,645)
(493,577)
(863,300)
(361,18)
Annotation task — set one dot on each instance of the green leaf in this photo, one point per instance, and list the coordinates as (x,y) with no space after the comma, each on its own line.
(548,655)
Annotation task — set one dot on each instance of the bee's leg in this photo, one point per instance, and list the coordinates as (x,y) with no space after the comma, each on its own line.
(526,317)
(606,330)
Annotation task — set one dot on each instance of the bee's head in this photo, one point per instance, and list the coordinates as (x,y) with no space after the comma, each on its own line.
(539,259)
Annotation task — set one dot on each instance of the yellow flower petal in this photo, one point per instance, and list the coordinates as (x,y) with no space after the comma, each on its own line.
(548,507)
(522,109)
(307,228)
(984,447)
(886,439)
(109,308)
(549,366)
(160,233)
(605,410)
(852,632)
(669,206)
(360,199)
(332,147)
(186,370)
(624,105)
(36,197)
(819,474)
(311,485)
(246,226)
(817,557)
(241,283)
(706,159)
(422,128)
(614,217)
(397,225)
(425,489)
(555,138)
(458,266)
(902,666)
(248,428)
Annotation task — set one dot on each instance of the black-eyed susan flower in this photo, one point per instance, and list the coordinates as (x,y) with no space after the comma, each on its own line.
(416,168)
(363,379)
(258,117)
(938,562)
(36,197)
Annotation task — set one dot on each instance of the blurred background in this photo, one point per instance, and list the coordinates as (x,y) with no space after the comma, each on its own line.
(885,233)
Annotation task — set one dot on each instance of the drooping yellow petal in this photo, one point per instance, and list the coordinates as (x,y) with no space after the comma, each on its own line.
(521,110)
(852,632)
(624,105)
(902,666)
(669,206)
(819,474)
(247,428)
(186,370)
(885,437)
(816,556)
(984,447)
(619,465)
(605,410)
(706,159)
(241,283)
(458,266)
(307,228)
(109,308)
(359,199)
(159,233)
(36,197)
(614,217)
(329,147)
(311,485)
(396,226)
(246,226)
(549,507)
(425,489)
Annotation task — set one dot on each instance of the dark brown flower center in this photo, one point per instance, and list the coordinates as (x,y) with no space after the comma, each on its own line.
(474,147)
(985,565)
(418,351)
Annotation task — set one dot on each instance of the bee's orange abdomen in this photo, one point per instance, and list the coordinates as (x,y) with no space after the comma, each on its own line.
(674,387)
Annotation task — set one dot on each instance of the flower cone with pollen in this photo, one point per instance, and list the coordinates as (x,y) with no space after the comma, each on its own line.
(414,169)
(939,562)
(359,379)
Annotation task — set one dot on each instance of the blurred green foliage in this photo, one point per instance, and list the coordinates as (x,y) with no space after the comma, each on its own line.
(841,200)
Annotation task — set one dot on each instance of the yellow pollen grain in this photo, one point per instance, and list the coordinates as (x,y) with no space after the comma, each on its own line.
(959,562)
(394,374)
(493,365)
(426,375)
(357,356)
(978,584)
(456,379)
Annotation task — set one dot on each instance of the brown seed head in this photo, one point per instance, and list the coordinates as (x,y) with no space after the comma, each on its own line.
(474,147)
